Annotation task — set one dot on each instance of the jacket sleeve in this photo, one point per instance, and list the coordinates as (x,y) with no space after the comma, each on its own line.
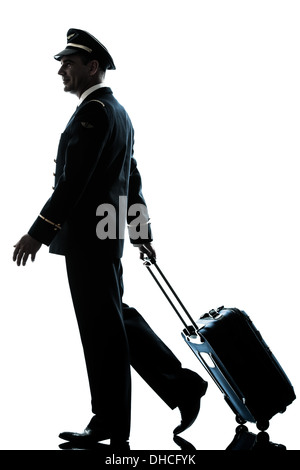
(139,227)
(89,130)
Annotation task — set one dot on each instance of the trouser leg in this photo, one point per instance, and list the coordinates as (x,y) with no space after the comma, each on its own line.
(155,362)
(96,289)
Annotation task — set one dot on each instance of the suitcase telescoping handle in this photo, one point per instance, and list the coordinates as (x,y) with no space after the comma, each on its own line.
(149,262)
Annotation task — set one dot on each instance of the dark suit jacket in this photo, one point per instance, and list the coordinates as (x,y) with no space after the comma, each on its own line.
(94,166)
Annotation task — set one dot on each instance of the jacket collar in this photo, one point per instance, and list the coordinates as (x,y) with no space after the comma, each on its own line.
(93,92)
(90,90)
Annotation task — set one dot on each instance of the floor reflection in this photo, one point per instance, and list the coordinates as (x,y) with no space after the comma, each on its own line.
(72,446)
(182,444)
(243,440)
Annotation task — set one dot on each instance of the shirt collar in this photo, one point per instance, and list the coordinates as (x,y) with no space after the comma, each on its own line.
(90,90)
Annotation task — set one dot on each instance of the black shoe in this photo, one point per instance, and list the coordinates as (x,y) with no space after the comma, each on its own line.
(119,446)
(189,408)
(94,432)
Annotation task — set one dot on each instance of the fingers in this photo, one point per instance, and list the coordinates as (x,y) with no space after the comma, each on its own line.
(25,258)
(143,252)
(153,253)
(17,255)
(15,252)
(25,247)
(21,252)
(147,250)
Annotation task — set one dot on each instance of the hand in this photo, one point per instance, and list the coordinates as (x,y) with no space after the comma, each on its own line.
(25,247)
(148,250)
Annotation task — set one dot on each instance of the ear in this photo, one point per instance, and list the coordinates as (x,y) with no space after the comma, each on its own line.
(94,67)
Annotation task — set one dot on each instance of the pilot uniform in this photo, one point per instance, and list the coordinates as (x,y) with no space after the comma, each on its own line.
(95,168)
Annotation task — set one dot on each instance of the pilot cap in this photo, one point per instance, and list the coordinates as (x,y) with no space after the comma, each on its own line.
(82,41)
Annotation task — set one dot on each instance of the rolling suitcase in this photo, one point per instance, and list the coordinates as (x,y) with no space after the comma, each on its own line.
(234,354)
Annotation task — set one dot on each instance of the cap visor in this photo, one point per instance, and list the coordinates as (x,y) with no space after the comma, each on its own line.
(68,51)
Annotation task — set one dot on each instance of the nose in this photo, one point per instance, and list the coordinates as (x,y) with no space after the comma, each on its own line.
(61,71)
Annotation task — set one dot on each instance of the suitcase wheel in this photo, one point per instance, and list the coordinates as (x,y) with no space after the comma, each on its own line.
(241,428)
(240,420)
(262,424)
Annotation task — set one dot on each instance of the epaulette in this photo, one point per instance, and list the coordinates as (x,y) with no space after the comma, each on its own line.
(98,101)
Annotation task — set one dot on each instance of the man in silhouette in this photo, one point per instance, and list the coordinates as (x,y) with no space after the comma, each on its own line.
(97,183)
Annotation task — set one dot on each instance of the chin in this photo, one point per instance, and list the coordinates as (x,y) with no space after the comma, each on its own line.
(67,87)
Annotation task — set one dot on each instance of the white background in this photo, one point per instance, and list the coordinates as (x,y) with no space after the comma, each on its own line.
(212,88)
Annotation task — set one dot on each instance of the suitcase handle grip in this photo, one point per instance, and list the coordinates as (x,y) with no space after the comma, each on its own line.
(148,263)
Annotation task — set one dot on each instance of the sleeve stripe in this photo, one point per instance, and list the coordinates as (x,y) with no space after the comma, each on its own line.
(49,222)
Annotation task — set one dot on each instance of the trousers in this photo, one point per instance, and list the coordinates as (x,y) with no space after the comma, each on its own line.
(115,337)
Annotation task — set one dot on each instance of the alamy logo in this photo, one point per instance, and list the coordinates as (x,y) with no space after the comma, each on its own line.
(112,223)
